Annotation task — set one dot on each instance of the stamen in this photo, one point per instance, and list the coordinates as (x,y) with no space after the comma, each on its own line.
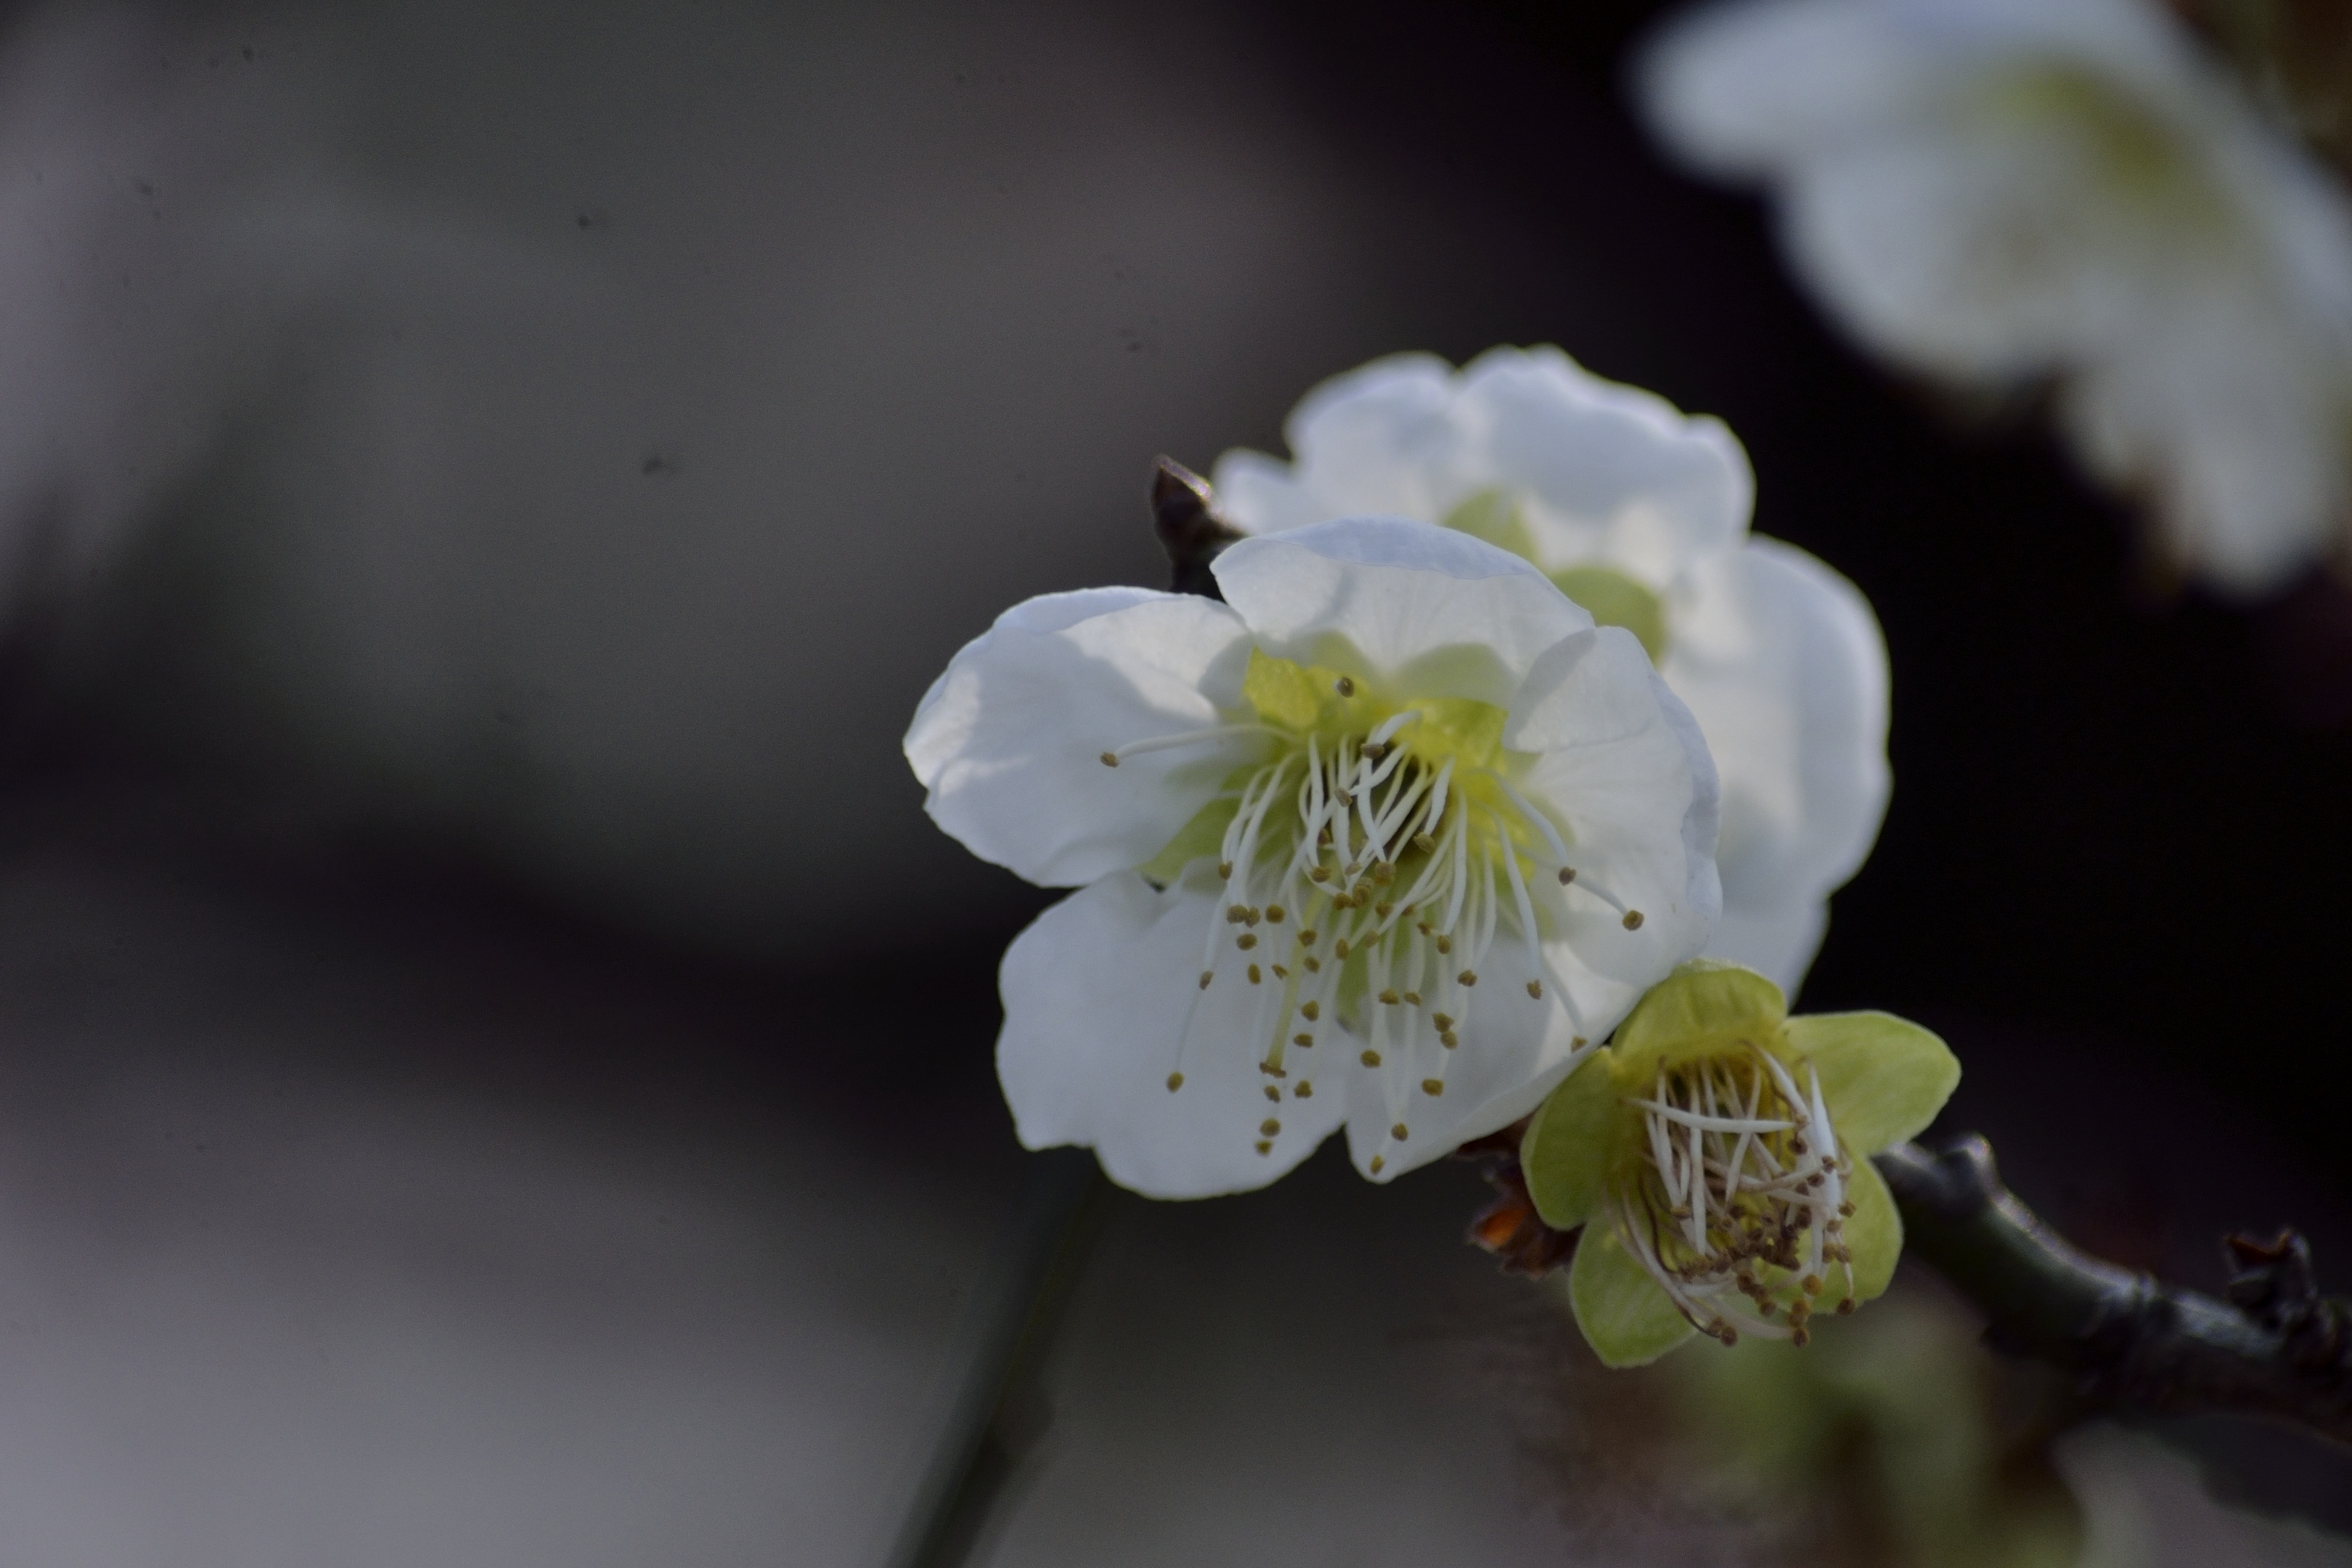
(1187,737)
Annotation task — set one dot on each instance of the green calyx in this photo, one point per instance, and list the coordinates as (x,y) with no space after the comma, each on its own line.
(1610,597)
(1717,1153)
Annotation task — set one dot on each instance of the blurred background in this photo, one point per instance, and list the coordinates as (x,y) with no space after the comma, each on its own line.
(496,1061)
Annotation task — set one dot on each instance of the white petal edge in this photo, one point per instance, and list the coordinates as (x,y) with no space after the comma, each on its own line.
(1099,993)
(1784,667)
(1423,609)
(1008,743)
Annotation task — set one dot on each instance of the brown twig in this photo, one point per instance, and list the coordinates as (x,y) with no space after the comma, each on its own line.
(2276,1348)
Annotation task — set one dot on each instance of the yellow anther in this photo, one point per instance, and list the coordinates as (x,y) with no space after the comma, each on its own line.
(1535,989)
(1207,975)
(1412,998)
(1311,1011)
(1845,1308)
(1264,1147)
(1377,1164)
(1224,871)
(1383,910)
(1304,1091)
(1812,1284)
(1269,1127)
(1272,1092)
(1246,941)
(1449,1039)
(1304,1042)
(1633,921)
(1388,998)
(1432,1087)
(1443,1020)
(1468,977)
(1370,1058)
(1319,873)
(1799,1338)
(1273,914)
(1444,942)
(1846,1209)
(1271,1069)
(1576,1043)
(1339,948)
(1175,1082)
(1110,758)
(1400,1132)
(1567,875)
(1345,687)
(1280,973)
(1307,937)
(1255,978)
(1236,913)
(1382,872)
(1314,964)
(1424,843)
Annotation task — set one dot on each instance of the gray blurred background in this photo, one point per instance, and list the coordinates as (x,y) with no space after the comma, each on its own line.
(497,1060)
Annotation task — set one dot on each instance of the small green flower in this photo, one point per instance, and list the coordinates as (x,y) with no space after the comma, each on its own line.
(1717,1152)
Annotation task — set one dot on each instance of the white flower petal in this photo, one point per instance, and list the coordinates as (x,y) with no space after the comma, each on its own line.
(1606,472)
(1602,472)
(1009,741)
(1098,996)
(1515,1050)
(1632,784)
(1996,191)
(1789,683)
(1423,608)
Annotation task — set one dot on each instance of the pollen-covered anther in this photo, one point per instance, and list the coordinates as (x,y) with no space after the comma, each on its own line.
(1370,1058)
(1263,1147)
(1307,936)
(1535,989)
(1269,1127)
(1175,1082)
(1378,1164)
(1344,687)
(1443,942)
(1633,921)
(1390,998)
(1311,1011)
(1274,914)
(1207,975)
(1400,1132)
(1246,941)
(1449,1039)
(1432,1087)
(1272,1092)
(1567,875)
(1255,978)
(1304,1091)
(1468,977)
(1303,1041)
(1412,998)
(1339,947)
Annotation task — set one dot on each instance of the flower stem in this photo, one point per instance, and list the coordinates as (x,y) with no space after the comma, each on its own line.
(1001,1411)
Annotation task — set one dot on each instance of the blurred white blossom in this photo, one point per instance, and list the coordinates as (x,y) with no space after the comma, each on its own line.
(2000,192)
(1390,837)
(1639,514)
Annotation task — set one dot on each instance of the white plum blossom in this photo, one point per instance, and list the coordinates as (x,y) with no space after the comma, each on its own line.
(1390,838)
(1639,514)
(2007,192)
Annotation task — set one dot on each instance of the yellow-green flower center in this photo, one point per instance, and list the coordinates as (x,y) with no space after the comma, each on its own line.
(1735,1187)
(1369,862)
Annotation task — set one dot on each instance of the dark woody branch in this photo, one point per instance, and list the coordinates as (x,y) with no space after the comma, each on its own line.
(2274,1348)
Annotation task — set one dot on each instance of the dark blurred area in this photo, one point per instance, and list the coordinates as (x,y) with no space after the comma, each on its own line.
(501,1060)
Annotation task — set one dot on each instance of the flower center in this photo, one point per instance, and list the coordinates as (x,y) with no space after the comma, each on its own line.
(1737,1202)
(1369,867)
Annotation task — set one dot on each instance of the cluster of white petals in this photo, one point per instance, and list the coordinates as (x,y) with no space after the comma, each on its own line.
(2005,192)
(1390,838)
(1638,513)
